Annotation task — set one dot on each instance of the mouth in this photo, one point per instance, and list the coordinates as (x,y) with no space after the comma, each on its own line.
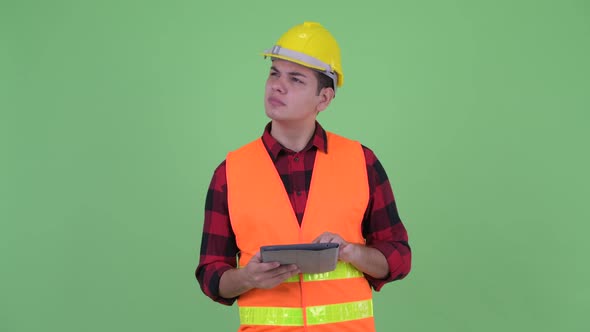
(275,102)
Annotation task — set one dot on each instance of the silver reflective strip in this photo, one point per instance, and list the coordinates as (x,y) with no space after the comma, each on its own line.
(328,71)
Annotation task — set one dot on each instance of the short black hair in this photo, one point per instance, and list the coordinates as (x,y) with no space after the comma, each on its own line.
(324,81)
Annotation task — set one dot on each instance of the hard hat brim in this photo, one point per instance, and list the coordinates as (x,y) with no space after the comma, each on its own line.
(339,80)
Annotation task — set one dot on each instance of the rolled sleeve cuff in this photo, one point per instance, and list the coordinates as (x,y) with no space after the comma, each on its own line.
(211,288)
(394,261)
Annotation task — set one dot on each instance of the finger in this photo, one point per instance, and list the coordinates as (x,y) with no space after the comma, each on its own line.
(324,238)
(330,238)
(272,283)
(281,277)
(266,267)
(320,238)
(281,270)
(289,274)
(272,279)
(256,265)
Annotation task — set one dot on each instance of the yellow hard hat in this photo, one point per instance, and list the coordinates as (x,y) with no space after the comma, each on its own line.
(310,45)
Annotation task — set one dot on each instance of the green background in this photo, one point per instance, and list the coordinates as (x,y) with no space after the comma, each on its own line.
(114,115)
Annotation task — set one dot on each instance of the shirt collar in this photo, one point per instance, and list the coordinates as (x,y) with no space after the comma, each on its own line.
(318,140)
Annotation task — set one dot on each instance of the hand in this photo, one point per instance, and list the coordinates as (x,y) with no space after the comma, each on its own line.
(346,252)
(267,275)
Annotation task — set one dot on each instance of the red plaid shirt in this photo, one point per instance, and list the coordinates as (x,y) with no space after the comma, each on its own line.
(382,227)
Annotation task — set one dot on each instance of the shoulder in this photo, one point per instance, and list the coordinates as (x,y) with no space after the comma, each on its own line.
(221,167)
(341,141)
(246,148)
(370,156)
(219,179)
(374,167)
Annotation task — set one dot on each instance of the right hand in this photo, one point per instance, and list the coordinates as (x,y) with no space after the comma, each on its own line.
(267,275)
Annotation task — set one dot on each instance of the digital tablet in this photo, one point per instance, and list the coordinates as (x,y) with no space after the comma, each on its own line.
(309,257)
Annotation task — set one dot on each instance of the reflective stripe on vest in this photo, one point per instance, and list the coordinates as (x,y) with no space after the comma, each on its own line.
(322,314)
(342,271)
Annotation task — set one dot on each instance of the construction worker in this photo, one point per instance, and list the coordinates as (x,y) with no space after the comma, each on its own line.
(301,184)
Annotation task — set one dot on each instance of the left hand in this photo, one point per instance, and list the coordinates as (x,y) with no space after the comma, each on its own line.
(346,251)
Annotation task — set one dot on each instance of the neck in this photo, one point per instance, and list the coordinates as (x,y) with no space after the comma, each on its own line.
(292,136)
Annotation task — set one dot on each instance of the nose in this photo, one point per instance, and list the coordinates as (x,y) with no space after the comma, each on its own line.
(278,85)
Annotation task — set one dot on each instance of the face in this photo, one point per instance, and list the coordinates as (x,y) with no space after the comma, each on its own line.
(291,93)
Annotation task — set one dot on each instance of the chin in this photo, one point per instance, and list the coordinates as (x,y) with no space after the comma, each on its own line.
(274,113)
(271,115)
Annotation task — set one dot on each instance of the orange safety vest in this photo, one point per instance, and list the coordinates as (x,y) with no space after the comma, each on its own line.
(261,214)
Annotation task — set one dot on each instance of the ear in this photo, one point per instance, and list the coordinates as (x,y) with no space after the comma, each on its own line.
(325,98)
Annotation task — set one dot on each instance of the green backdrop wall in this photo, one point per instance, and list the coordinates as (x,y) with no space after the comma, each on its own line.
(114,115)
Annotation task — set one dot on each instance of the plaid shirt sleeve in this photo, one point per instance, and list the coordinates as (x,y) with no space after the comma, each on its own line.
(218,244)
(382,227)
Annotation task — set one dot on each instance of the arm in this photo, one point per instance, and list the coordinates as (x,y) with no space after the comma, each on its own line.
(216,273)
(218,244)
(386,256)
(382,227)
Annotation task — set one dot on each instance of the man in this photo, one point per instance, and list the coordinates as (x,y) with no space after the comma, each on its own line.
(301,184)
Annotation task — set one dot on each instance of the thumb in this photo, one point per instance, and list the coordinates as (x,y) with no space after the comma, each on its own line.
(256,258)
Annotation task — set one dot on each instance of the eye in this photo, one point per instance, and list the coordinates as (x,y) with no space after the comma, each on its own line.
(274,73)
(296,80)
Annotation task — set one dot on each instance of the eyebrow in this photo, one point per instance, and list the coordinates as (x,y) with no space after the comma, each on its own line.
(292,73)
